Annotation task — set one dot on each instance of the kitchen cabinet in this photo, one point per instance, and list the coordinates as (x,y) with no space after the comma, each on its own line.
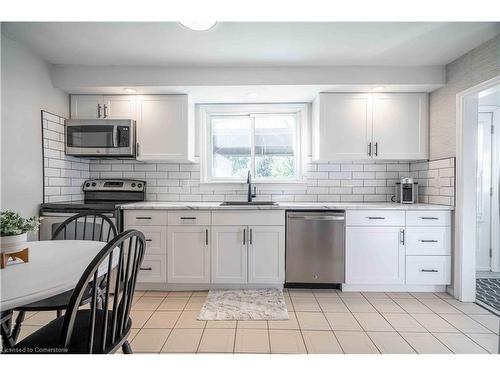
(370,126)
(188,254)
(164,129)
(375,255)
(103,106)
(266,254)
(229,254)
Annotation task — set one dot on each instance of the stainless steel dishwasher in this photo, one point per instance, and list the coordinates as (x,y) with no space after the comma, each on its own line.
(315,247)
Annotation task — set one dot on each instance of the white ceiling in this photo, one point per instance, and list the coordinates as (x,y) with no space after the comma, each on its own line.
(251,44)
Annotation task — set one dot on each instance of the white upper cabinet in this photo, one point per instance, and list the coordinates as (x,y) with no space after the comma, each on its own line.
(86,106)
(400,126)
(103,106)
(342,129)
(119,106)
(164,129)
(354,126)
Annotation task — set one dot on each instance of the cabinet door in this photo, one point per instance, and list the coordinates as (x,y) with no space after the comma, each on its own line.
(400,126)
(343,128)
(266,254)
(87,106)
(375,255)
(162,127)
(229,254)
(119,107)
(188,254)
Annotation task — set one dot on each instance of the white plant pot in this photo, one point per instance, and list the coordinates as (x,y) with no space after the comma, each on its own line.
(12,244)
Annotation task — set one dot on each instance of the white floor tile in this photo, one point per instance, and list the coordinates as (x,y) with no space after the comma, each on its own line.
(343,322)
(434,323)
(321,342)
(373,322)
(390,343)
(459,343)
(356,343)
(425,343)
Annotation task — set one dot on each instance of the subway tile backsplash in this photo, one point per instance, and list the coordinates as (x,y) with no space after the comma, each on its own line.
(367,181)
(63,175)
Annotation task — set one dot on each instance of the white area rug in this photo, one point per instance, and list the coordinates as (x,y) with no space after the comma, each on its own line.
(251,304)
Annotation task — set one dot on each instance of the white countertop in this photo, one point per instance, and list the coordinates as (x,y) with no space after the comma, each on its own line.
(283,206)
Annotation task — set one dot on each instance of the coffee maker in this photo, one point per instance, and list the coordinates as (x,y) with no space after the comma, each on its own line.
(407,191)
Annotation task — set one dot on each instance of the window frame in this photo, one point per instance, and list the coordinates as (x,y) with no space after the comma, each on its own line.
(209,111)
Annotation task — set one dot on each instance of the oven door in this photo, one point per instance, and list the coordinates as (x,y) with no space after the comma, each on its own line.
(51,221)
(100,137)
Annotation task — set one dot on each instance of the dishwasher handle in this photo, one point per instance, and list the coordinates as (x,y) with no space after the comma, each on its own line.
(324,218)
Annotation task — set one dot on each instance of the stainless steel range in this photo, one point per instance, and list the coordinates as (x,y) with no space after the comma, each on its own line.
(100,196)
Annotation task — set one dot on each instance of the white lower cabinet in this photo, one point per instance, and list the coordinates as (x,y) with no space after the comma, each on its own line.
(229,254)
(375,255)
(428,270)
(188,254)
(266,254)
(153,269)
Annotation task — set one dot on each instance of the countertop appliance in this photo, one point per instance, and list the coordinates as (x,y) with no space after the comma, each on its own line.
(407,191)
(100,196)
(114,138)
(315,247)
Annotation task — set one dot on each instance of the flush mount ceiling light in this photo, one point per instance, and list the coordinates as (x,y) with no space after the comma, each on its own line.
(129,90)
(199,25)
(378,88)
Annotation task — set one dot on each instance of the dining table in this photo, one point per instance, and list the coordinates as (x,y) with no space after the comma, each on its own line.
(53,267)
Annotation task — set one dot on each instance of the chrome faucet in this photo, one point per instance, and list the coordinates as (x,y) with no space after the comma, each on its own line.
(250,194)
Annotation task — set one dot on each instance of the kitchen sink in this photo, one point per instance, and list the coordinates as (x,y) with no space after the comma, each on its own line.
(254,203)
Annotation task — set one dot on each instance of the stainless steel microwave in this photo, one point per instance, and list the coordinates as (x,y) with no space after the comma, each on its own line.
(114,138)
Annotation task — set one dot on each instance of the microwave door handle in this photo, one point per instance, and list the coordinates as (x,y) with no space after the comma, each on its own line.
(115,136)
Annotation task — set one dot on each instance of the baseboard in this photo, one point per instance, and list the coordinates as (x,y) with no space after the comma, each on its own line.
(201,287)
(393,288)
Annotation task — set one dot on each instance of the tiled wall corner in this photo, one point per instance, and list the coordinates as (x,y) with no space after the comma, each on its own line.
(436,180)
(63,175)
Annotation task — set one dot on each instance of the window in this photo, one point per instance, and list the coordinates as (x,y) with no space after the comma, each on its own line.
(266,143)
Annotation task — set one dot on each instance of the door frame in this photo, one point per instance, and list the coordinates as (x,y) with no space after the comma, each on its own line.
(467,109)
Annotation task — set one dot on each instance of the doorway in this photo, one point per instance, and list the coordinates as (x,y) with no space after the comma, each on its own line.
(487,202)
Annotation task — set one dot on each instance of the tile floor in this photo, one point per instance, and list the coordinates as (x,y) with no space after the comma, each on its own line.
(321,321)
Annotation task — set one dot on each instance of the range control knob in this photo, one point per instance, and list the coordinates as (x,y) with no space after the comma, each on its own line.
(87,184)
(133,184)
(139,185)
(93,184)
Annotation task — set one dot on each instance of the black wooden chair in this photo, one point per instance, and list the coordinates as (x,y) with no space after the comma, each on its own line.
(85,226)
(96,330)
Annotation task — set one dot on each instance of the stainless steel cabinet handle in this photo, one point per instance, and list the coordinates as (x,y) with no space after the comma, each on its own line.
(244,236)
(375,217)
(206,237)
(251,236)
(148,240)
(370,149)
(402,236)
(428,270)
(428,241)
(143,217)
(146,269)
(99,111)
(429,218)
(188,218)
(137,149)
(376,149)
(105,111)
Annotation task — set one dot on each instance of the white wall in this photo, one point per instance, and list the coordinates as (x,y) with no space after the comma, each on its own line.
(26,90)
(476,66)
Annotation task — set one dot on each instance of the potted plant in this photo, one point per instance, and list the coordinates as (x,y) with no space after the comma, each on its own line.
(14,230)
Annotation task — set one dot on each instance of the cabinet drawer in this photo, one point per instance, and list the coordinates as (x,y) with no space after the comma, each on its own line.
(247,217)
(190,217)
(428,241)
(153,269)
(375,217)
(428,270)
(428,218)
(145,217)
(156,238)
